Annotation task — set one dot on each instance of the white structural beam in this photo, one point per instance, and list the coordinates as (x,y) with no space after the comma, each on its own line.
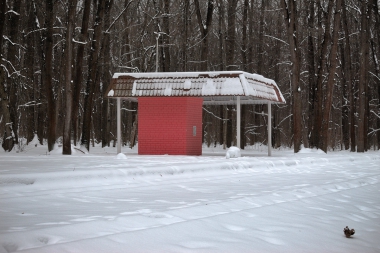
(238,134)
(269,129)
(118,126)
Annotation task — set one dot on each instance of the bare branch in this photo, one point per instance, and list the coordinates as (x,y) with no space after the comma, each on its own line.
(277,39)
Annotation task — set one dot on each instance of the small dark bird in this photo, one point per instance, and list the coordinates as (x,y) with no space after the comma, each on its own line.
(348,232)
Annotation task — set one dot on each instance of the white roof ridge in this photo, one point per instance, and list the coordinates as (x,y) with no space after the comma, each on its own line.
(176,74)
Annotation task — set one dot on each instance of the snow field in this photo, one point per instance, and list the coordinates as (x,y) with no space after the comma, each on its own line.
(104,202)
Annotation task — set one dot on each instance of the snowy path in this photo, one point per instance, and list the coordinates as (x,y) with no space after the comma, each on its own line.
(97,203)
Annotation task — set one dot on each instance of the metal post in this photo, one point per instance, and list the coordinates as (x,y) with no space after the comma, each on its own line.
(118,126)
(238,121)
(269,129)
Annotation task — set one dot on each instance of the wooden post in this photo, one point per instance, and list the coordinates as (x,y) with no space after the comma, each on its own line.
(118,126)
(269,129)
(238,121)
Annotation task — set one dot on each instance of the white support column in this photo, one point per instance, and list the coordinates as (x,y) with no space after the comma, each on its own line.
(269,129)
(238,134)
(118,126)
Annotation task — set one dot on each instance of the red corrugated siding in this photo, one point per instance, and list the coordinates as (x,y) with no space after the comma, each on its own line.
(166,126)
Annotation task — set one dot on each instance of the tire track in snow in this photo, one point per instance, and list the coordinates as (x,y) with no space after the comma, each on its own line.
(172,217)
(247,164)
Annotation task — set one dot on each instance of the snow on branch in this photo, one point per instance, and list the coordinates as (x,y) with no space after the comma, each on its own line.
(13,12)
(44,29)
(118,16)
(6,69)
(198,42)
(377,115)
(132,68)
(374,131)
(59,42)
(30,103)
(13,44)
(374,75)
(79,42)
(128,110)
(283,120)
(276,39)
(214,115)
(33,31)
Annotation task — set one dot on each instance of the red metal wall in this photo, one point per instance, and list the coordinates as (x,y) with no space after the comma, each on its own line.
(165,126)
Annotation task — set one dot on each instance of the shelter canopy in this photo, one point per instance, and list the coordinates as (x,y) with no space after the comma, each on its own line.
(221,87)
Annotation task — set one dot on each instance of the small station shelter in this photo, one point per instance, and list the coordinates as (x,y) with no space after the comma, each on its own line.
(170,105)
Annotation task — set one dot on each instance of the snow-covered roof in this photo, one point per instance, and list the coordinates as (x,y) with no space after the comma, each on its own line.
(214,87)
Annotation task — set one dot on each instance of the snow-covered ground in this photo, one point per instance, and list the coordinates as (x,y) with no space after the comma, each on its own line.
(101,202)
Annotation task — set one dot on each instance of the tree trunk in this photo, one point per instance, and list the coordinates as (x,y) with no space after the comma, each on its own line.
(165,38)
(68,81)
(231,34)
(204,28)
(90,85)
(106,77)
(8,135)
(376,6)
(245,68)
(318,102)
(230,59)
(223,64)
(40,91)
(244,45)
(77,77)
(311,67)
(290,16)
(276,136)
(250,38)
(185,33)
(222,35)
(258,119)
(364,51)
(330,82)
(260,53)
(133,136)
(14,80)
(29,41)
(47,76)
(348,72)
(225,123)
(344,101)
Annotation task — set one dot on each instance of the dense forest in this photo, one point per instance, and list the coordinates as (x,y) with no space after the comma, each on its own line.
(58,57)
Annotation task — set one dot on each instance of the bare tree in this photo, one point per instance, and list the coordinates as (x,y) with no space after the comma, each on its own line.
(231,34)
(8,141)
(166,41)
(348,76)
(311,65)
(204,27)
(290,17)
(78,76)
(244,45)
(376,7)
(14,79)
(92,71)
(322,61)
(106,76)
(363,85)
(185,10)
(68,81)
(47,74)
(331,79)
(29,39)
